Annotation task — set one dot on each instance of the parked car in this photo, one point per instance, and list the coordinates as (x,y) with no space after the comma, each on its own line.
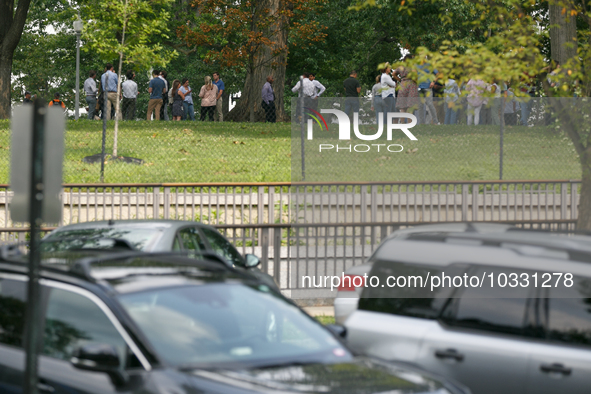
(505,337)
(348,293)
(134,322)
(194,238)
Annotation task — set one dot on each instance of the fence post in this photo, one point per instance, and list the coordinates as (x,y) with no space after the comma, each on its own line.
(502,126)
(465,202)
(374,211)
(563,200)
(156,202)
(271,209)
(167,203)
(362,204)
(573,200)
(264,249)
(475,196)
(277,255)
(302,126)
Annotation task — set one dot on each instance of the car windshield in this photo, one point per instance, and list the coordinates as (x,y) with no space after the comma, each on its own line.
(95,238)
(229,325)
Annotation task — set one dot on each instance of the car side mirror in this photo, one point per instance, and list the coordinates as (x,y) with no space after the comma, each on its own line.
(251,261)
(337,330)
(100,358)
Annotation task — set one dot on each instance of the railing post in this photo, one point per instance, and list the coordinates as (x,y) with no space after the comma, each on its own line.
(363,204)
(277,255)
(261,204)
(475,197)
(264,237)
(167,203)
(573,200)
(271,209)
(465,189)
(156,202)
(563,200)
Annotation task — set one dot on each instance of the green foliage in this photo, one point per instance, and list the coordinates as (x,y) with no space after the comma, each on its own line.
(129,28)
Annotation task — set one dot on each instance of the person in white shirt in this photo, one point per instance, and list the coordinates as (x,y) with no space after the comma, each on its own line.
(388,90)
(129,91)
(90,90)
(309,90)
(318,90)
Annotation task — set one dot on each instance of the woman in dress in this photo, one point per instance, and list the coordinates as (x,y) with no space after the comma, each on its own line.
(408,95)
(177,101)
(208,96)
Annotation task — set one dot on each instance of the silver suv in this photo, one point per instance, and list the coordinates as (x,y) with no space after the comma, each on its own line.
(530,338)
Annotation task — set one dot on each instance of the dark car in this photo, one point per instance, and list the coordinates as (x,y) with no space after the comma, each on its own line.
(133,322)
(152,236)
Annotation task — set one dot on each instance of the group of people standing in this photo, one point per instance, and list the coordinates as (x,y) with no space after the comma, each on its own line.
(395,90)
(163,94)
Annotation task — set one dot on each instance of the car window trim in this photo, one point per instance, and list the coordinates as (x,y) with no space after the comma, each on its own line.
(107,311)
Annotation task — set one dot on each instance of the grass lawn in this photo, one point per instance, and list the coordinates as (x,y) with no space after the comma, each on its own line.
(441,153)
(244,152)
(173,152)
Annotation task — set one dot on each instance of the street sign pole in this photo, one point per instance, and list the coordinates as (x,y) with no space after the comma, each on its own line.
(37,189)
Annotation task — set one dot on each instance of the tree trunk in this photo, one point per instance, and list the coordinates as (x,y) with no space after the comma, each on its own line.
(266,63)
(563,36)
(11,30)
(5,75)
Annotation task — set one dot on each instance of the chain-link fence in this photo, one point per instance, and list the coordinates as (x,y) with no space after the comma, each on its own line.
(355,139)
(194,151)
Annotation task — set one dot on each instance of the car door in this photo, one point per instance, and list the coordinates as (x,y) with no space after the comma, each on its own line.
(13,300)
(562,362)
(75,317)
(482,338)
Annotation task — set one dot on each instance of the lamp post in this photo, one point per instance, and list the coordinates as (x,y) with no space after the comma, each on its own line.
(78,30)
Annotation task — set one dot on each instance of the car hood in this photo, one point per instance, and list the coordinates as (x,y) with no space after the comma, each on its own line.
(361,376)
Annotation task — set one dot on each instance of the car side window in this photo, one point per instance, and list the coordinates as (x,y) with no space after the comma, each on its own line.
(501,309)
(13,301)
(72,320)
(221,246)
(569,313)
(192,239)
(406,299)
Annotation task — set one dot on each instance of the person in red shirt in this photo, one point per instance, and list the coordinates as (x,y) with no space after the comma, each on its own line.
(56,101)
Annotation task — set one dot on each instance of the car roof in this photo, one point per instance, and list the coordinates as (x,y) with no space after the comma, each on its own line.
(453,227)
(512,249)
(137,223)
(126,270)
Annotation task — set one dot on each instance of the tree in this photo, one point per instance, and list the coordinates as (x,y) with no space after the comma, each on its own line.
(251,35)
(12,22)
(128,29)
(513,48)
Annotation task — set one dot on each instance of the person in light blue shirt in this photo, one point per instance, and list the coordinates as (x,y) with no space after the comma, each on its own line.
(109,82)
(188,109)
(426,93)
